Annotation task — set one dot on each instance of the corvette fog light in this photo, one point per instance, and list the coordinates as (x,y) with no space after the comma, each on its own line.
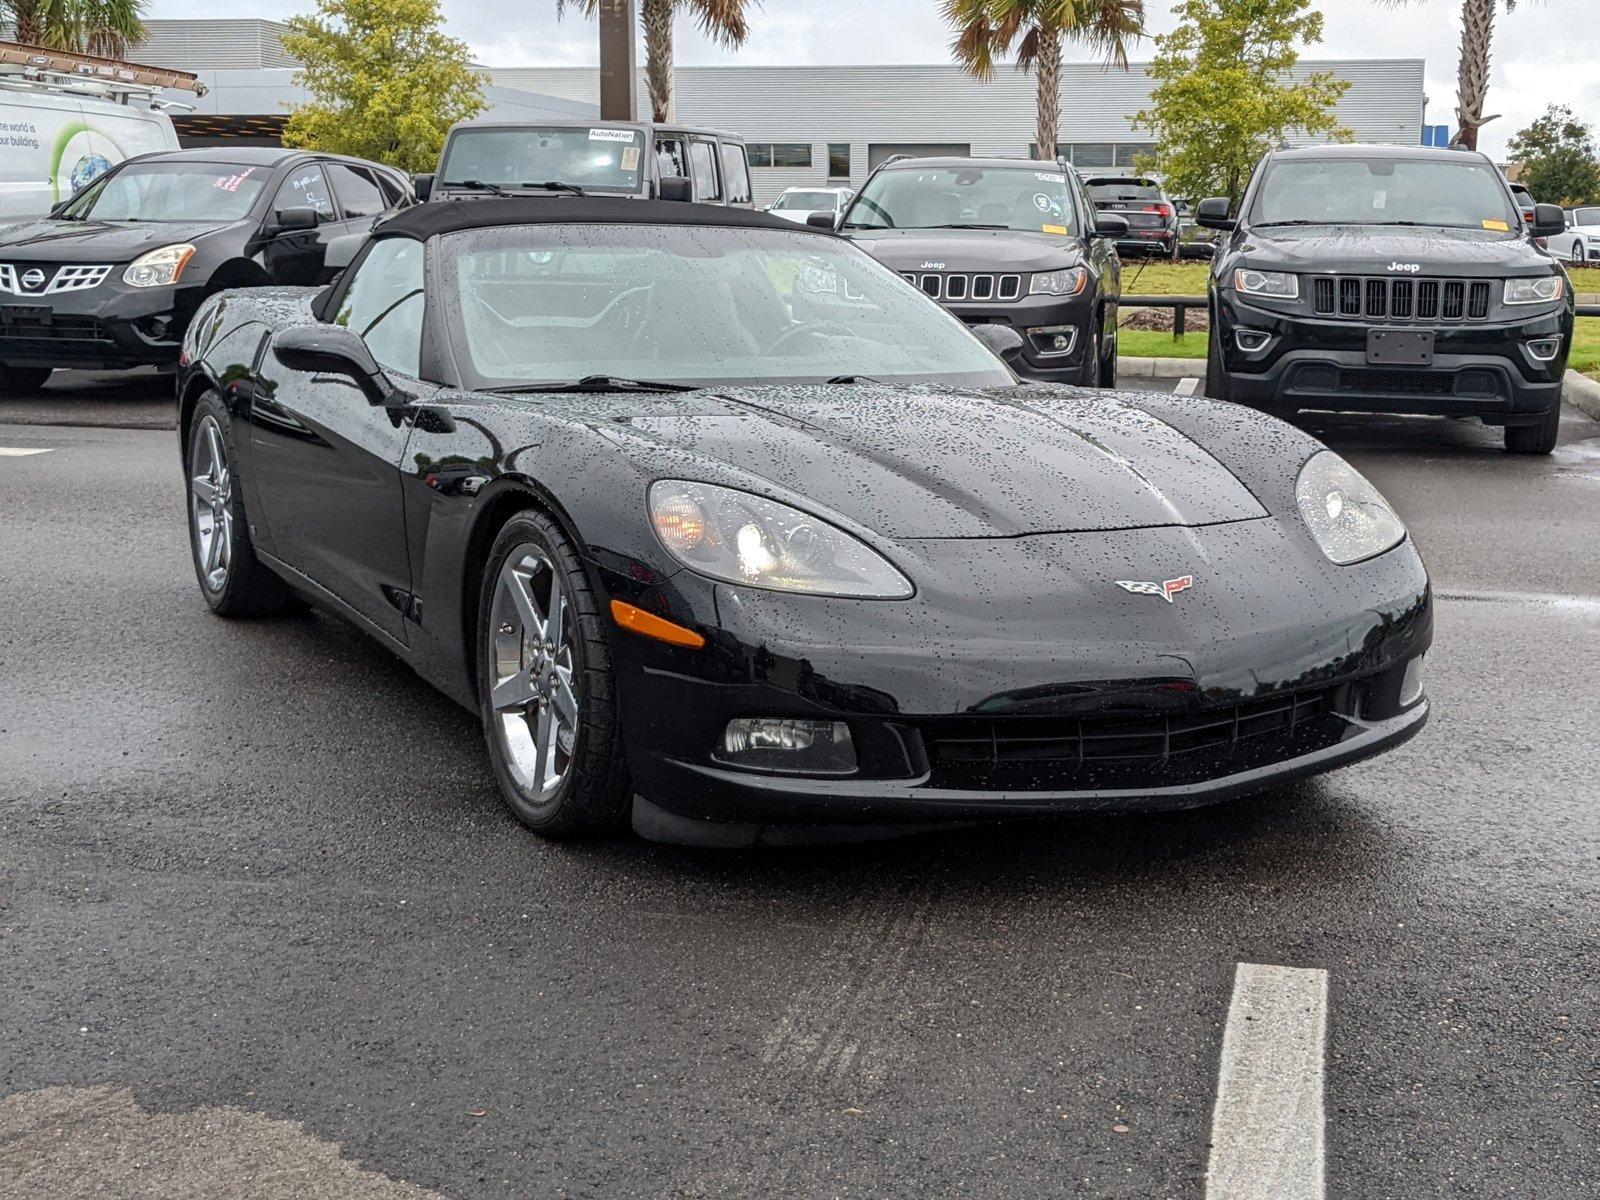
(789,744)
(1411,683)
(1251,340)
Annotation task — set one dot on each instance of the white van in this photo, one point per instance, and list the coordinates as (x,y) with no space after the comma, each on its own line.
(58,137)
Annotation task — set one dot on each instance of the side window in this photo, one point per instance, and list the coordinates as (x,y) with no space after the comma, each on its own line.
(671,158)
(393,193)
(306,187)
(358,195)
(384,304)
(703,170)
(736,172)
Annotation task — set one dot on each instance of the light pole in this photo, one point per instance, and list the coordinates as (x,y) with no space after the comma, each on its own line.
(617,61)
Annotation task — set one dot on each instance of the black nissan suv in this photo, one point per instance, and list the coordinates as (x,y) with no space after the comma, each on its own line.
(1002,241)
(1389,279)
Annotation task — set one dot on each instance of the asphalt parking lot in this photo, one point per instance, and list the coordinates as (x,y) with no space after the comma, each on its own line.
(264,917)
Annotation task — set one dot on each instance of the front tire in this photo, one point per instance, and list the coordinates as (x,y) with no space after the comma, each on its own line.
(23,379)
(232,580)
(546,689)
(1216,376)
(1538,438)
(1578,258)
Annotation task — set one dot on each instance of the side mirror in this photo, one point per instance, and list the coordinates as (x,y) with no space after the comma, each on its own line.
(822,220)
(676,187)
(1004,342)
(1548,219)
(422,185)
(294,220)
(1109,225)
(334,350)
(342,251)
(1213,213)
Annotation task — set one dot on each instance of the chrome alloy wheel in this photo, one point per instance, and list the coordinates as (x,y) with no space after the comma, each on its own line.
(533,688)
(210,495)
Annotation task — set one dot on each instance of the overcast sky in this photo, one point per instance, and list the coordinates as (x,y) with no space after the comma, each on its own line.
(1545,52)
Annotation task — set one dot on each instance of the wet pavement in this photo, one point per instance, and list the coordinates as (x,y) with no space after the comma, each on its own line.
(263,917)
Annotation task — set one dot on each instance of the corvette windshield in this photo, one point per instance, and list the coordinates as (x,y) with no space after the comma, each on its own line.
(172,191)
(1454,193)
(694,305)
(953,197)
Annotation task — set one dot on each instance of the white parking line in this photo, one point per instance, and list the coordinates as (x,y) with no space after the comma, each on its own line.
(1187,386)
(22,451)
(1266,1131)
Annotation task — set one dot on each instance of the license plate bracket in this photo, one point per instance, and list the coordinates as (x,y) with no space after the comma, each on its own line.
(1400,347)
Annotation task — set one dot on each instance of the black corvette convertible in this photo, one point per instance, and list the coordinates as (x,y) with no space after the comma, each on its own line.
(719,523)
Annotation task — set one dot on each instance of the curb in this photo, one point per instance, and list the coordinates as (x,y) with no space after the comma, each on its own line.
(1161,368)
(1582,393)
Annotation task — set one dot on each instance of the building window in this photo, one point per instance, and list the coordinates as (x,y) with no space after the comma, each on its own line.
(1098,155)
(838,160)
(779,154)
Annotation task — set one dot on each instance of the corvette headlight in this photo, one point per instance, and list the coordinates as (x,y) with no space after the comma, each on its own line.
(1280,284)
(1058,283)
(1348,516)
(741,538)
(1542,289)
(159,268)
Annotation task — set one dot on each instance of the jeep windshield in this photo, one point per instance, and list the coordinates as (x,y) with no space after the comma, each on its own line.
(595,159)
(1021,198)
(685,305)
(182,190)
(1443,192)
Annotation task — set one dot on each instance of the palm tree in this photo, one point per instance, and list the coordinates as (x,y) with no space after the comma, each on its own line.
(103,27)
(988,29)
(1472,75)
(720,20)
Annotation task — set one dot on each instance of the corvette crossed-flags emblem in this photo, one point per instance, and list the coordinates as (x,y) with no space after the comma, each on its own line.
(1166,589)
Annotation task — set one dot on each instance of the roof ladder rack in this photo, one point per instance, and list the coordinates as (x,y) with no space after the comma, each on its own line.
(91,67)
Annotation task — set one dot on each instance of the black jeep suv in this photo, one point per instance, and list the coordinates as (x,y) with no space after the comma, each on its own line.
(1389,279)
(1002,241)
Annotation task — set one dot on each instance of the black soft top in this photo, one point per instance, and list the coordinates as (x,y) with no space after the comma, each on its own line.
(423,221)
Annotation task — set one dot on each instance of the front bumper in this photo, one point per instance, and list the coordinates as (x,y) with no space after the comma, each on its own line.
(967,703)
(102,328)
(1074,365)
(1479,368)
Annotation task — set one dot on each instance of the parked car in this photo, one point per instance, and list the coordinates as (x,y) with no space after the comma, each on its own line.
(1003,241)
(1579,244)
(1151,214)
(731,533)
(1525,202)
(112,277)
(1389,279)
(797,204)
(1195,241)
(60,133)
(637,159)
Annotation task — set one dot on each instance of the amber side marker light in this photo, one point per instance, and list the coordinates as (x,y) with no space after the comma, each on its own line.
(647,624)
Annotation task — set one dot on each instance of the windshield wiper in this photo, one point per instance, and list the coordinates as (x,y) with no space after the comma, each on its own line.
(1271,224)
(966,225)
(478,185)
(854,379)
(555,185)
(599,383)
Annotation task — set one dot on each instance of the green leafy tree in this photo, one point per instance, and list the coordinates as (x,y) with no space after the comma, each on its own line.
(103,27)
(1224,95)
(1559,164)
(986,30)
(386,83)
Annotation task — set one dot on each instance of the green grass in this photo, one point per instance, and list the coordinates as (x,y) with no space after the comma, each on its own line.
(1585,279)
(1154,343)
(1586,346)
(1169,279)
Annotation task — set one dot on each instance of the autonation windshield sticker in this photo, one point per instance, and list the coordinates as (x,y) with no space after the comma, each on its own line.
(611,135)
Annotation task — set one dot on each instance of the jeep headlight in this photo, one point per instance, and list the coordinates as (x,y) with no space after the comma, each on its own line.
(1281,285)
(746,539)
(1058,283)
(1541,289)
(159,268)
(1347,515)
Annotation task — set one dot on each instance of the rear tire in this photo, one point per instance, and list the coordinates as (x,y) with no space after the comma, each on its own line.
(23,379)
(1578,257)
(1108,364)
(1538,438)
(1216,377)
(546,689)
(232,579)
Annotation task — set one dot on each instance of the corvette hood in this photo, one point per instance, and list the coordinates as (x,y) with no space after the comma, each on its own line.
(944,463)
(968,249)
(95,241)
